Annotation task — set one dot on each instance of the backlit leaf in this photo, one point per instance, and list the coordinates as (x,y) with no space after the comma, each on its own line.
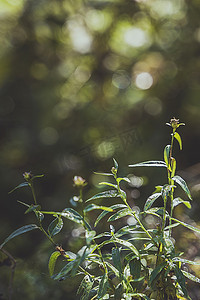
(166,190)
(151,163)
(178,201)
(106,194)
(55,226)
(19,186)
(85,287)
(181,280)
(89,235)
(52,261)
(129,296)
(186,261)
(166,155)
(173,166)
(151,200)
(92,206)
(191,277)
(115,164)
(19,231)
(122,213)
(187,225)
(183,185)
(119,179)
(126,244)
(109,184)
(72,215)
(104,213)
(103,285)
(178,138)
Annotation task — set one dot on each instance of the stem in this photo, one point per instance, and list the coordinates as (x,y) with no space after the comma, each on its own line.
(85,272)
(164,216)
(170,182)
(133,212)
(47,235)
(83,214)
(33,193)
(103,262)
(40,222)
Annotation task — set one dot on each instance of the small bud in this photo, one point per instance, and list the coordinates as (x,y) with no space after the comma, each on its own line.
(114,170)
(28,176)
(79,182)
(174,123)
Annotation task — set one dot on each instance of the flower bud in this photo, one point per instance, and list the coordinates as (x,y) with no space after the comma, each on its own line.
(114,170)
(28,176)
(79,181)
(174,123)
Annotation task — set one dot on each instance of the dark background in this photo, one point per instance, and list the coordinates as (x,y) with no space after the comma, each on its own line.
(82,82)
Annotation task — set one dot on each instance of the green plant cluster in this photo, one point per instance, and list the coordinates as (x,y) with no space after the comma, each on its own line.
(130,262)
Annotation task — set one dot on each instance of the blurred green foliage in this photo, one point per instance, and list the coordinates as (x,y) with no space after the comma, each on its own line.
(82,82)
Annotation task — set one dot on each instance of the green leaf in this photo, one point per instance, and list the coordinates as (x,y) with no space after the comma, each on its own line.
(104,213)
(185,261)
(156,272)
(103,285)
(32,208)
(115,164)
(166,155)
(181,280)
(178,201)
(103,174)
(158,189)
(171,226)
(52,262)
(166,190)
(151,163)
(65,271)
(116,259)
(187,225)
(191,276)
(19,186)
(183,185)
(178,138)
(135,295)
(122,213)
(25,204)
(19,231)
(38,176)
(115,271)
(109,184)
(155,211)
(106,194)
(119,179)
(173,166)
(85,287)
(92,206)
(135,268)
(71,214)
(39,215)
(151,200)
(129,230)
(126,244)
(118,291)
(89,235)
(55,226)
